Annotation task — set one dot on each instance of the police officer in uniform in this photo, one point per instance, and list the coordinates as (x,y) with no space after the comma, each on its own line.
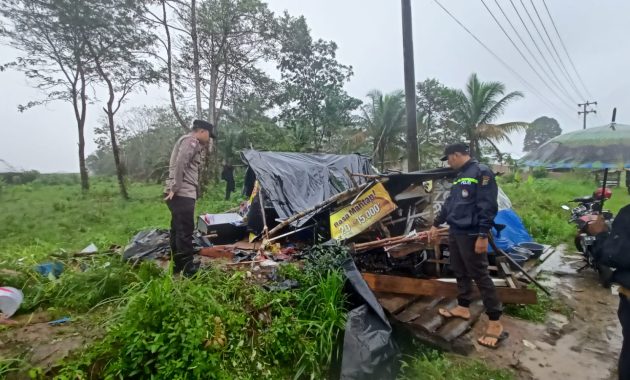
(181,192)
(469,211)
(612,248)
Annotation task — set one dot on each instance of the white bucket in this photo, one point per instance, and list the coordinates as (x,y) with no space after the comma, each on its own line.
(10,300)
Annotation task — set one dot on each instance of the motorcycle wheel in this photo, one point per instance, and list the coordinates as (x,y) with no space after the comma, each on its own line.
(578,244)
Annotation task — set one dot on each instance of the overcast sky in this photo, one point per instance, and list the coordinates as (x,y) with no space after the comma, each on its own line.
(368,33)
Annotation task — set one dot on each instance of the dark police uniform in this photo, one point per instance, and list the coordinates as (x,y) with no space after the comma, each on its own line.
(469,211)
(613,249)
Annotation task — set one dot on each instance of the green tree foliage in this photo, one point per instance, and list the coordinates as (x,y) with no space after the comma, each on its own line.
(436,104)
(313,103)
(48,33)
(478,107)
(382,120)
(540,131)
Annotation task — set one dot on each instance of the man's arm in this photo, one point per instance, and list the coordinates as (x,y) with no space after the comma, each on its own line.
(441,216)
(487,206)
(184,155)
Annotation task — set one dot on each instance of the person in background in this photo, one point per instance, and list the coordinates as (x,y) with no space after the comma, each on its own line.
(181,191)
(612,248)
(470,211)
(227,174)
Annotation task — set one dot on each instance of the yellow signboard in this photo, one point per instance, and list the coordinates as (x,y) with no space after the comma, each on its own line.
(374,204)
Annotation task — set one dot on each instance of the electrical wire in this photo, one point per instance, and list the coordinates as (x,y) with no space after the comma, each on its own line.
(532,88)
(558,84)
(577,73)
(524,57)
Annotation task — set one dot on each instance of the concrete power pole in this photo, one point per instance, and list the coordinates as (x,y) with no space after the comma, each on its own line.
(585,111)
(410,88)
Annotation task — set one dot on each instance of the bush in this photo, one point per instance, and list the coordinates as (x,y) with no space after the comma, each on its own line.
(221,326)
(540,172)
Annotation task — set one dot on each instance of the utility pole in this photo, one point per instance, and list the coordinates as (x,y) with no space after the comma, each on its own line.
(585,111)
(410,88)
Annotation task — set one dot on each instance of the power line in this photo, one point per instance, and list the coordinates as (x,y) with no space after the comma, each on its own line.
(532,88)
(559,64)
(558,84)
(542,55)
(565,50)
(564,67)
(523,55)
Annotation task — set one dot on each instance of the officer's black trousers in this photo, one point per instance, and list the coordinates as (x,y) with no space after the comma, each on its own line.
(468,266)
(182,226)
(624,319)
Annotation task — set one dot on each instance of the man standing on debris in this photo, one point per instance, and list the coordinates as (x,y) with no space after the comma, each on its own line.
(469,211)
(613,249)
(182,191)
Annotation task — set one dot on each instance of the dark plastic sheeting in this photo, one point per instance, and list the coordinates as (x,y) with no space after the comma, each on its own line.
(294,182)
(369,350)
(148,245)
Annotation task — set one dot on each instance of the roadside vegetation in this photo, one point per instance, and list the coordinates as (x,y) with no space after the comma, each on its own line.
(147,323)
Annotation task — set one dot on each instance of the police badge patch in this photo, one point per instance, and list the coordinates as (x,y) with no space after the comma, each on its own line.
(464,193)
(485,180)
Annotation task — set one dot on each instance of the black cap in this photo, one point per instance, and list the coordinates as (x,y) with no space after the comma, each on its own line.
(454,148)
(202,124)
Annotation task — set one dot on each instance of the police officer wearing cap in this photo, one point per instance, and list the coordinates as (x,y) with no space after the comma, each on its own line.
(181,192)
(469,211)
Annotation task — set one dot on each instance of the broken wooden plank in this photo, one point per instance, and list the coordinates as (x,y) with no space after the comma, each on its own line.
(431,321)
(417,309)
(455,327)
(394,303)
(420,287)
(403,250)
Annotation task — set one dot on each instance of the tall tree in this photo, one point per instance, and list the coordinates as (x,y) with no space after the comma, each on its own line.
(383,119)
(478,107)
(540,131)
(47,32)
(436,104)
(313,98)
(165,17)
(118,41)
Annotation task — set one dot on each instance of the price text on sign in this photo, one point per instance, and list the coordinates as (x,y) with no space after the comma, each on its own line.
(372,206)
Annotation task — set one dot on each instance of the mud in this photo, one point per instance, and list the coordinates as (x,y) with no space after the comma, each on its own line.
(42,345)
(584,344)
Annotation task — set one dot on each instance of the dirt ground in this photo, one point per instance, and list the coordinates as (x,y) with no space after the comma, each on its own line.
(35,341)
(584,346)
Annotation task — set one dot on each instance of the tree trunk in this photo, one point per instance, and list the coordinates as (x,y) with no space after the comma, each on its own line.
(195,44)
(214,89)
(169,69)
(112,130)
(79,114)
(120,171)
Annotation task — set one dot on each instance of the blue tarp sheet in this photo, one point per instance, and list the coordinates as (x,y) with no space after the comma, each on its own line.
(514,231)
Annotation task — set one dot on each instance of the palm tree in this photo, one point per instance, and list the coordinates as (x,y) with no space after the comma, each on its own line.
(476,110)
(383,122)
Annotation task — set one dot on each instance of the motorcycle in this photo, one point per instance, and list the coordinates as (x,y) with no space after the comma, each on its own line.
(588,209)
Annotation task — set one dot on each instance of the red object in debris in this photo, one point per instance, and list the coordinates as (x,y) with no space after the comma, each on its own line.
(218,252)
(288,251)
(598,193)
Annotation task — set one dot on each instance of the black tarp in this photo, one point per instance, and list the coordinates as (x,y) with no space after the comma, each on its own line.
(369,350)
(294,182)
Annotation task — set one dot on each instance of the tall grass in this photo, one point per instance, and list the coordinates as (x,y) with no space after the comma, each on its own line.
(539,201)
(220,326)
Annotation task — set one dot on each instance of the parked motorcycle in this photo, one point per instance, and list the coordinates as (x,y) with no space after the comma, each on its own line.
(588,209)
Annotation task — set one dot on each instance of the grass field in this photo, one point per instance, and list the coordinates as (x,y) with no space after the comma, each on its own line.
(48,217)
